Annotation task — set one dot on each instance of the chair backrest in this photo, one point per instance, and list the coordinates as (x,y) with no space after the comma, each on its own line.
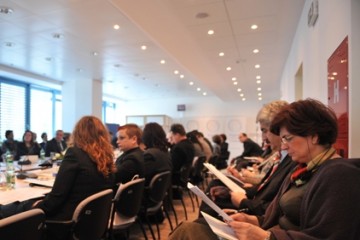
(184,174)
(91,216)
(199,165)
(25,225)
(128,198)
(158,186)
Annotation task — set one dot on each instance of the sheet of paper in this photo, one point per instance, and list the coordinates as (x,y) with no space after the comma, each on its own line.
(229,183)
(220,228)
(208,201)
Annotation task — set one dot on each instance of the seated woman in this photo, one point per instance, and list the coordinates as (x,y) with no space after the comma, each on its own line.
(27,146)
(87,168)
(318,200)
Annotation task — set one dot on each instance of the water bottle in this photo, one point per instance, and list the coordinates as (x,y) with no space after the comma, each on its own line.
(42,154)
(10,170)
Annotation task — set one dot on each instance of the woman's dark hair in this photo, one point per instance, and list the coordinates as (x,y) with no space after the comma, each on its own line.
(192,136)
(154,136)
(223,136)
(307,118)
(217,139)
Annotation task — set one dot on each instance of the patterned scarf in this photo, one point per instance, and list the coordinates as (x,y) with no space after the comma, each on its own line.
(303,171)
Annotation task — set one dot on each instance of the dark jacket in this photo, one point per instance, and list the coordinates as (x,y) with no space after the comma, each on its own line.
(129,164)
(329,208)
(23,150)
(182,154)
(156,161)
(259,200)
(77,179)
(53,146)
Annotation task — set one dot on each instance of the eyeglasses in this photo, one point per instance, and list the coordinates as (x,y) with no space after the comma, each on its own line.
(287,139)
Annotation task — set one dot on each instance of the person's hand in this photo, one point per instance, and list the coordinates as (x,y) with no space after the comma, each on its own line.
(233,171)
(246,231)
(237,197)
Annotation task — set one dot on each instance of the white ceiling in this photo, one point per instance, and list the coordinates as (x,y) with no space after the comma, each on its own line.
(171,32)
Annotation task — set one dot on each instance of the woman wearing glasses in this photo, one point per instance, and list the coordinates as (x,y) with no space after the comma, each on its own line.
(320,198)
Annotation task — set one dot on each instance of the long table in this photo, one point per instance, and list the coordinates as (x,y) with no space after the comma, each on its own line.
(30,188)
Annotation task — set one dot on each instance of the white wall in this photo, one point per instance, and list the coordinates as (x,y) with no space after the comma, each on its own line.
(313,46)
(208,115)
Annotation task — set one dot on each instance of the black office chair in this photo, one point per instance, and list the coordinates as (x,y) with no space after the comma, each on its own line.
(184,174)
(90,218)
(197,171)
(126,206)
(155,195)
(25,225)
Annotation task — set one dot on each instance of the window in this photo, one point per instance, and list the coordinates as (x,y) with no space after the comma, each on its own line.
(109,112)
(12,109)
(26,106)
(41,112)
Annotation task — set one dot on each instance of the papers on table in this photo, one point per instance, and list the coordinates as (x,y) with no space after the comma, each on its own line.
(22,194)
(229,183)
(220,228)
(208,201)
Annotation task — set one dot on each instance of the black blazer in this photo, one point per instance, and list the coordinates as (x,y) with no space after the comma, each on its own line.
(77,179)
(156,161)
(129,164)
(52,146)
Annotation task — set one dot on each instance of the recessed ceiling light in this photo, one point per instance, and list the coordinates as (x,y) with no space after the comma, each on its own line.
(198,89)
(235,83)
(260,98)
(259,88)
(58,35)
(204,93)
(211,32)
(182,76)
(162,62)
(176,72)
(254,26)
(201,15)
(143,47)
(243,99)
(259,94)
(256,50)
(234,78)
(228,69)
(6,10)
(258,81)
(191,83)
(241,94)
(258,77)
(95,53)
(257,66)
(221,54)
(239,89)
(116,27)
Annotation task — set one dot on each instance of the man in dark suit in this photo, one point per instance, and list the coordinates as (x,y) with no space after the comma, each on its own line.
(182,153)
(57,144)
(131,161)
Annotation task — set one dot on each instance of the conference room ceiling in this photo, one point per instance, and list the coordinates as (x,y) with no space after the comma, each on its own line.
(68,40)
